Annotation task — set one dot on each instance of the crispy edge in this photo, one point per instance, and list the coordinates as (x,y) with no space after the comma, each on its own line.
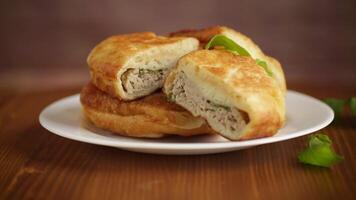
(156,116)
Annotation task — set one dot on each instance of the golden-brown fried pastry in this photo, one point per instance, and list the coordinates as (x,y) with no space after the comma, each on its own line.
(135,65)
(152,116)
(235,95)
(204,35)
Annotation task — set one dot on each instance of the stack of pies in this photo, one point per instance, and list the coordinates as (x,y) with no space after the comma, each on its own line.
(145,85)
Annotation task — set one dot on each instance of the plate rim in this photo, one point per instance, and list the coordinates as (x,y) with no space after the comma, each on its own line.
(185,146)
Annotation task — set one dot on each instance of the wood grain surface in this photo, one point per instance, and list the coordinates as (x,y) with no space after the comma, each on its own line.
(43,49)
(35,164)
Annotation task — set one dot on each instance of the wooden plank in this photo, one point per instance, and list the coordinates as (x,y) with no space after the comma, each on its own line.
(19,135)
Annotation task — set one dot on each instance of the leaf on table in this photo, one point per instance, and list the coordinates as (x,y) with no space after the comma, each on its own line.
(319,152)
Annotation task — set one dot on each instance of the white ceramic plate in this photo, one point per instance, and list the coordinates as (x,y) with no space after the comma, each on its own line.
(64,117)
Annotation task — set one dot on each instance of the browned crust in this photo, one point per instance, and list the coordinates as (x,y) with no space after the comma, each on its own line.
(222,64)
(112,54)
(151,116)
(247,84)
(203,35)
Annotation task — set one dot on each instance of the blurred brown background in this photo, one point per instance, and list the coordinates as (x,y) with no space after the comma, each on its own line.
(44,44)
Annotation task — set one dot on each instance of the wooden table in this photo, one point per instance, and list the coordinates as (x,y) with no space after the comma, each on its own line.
(35,164)
(43,50)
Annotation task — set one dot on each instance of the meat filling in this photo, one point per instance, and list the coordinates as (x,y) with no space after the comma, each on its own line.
(221,118)
(139,82)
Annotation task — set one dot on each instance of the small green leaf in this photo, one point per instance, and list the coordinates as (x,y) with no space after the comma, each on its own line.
(227,43)
(319,155)
(319,152)
(353,105)
(231,46)
(263,64)
(336,104)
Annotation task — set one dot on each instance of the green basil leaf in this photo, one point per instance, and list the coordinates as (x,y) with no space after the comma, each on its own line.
(319,152)
(319,155)
(263,64)
(227,43)
(336,104)
(353,105)
(231,46)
